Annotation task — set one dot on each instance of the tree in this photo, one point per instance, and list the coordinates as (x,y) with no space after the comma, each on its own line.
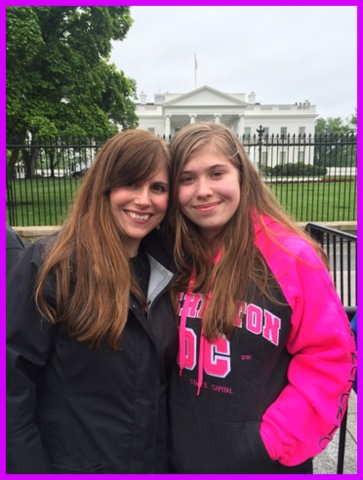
(353,121)
(333,126)
(335,142)
(59,81)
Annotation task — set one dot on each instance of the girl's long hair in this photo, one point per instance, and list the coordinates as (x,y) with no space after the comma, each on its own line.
(88,259)
(242,266)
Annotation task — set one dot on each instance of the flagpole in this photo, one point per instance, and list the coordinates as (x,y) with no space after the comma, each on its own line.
(195,71)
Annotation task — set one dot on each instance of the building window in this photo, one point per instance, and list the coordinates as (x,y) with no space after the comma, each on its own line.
(283,132)
(247,132)
(151,130)
(301,131)
(158,99)
(282,158)
(301,157)
(264,158)
(266,132)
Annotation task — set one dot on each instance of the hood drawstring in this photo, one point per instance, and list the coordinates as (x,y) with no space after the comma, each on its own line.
(182,327)
(201,360)
(183,322)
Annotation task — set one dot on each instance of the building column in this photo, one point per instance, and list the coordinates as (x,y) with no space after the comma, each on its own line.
(167,126)
(192,118)
(241,126)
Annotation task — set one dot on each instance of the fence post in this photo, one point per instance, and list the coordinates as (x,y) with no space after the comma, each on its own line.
(260,140)
(10,198)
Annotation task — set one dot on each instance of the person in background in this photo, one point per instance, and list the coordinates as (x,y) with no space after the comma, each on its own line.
(14,248)
(354,327)
(91,334)
(266,356)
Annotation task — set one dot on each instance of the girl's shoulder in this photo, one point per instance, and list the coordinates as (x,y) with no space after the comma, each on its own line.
(273,238)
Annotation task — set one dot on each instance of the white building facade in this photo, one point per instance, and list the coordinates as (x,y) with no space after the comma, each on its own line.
(169,112)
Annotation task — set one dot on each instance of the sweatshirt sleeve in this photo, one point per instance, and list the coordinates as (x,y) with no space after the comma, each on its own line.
(307,413)
(29,342)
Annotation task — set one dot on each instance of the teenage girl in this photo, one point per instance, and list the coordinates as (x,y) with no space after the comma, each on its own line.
(266,357)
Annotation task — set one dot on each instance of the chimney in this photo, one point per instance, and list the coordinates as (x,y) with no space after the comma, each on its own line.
(252,98)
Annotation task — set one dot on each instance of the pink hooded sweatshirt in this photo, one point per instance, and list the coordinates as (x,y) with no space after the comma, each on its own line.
(307,413)
(272,396)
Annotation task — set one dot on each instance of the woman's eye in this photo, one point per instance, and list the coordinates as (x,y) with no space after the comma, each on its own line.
(217,174)
(160,188)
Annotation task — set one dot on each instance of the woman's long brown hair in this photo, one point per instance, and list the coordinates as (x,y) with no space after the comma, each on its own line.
(241,265)
(88,259)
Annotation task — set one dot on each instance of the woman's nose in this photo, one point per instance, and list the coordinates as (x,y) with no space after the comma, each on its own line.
(143,197)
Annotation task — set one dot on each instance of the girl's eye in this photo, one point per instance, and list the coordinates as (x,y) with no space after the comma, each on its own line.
(217,174)
(186,180)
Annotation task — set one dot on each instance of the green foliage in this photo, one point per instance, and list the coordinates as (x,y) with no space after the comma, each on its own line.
(334,126)
(300,169)
(59,81)
(336,142)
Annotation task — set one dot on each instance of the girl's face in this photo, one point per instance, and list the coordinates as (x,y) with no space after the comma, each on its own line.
(209,191)
(140,207)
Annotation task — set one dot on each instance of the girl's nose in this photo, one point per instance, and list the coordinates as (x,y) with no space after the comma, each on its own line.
(204,189)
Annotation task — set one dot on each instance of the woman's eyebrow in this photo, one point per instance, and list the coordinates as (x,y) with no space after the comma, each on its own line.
(161,182)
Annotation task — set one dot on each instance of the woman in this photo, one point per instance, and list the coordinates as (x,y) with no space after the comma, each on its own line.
(266,356)
(91,335)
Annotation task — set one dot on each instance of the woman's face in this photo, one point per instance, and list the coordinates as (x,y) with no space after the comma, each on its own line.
(140,207)
(209,191)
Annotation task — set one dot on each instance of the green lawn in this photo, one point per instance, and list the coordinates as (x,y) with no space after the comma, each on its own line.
(318,201)
(45,201)
(41,201)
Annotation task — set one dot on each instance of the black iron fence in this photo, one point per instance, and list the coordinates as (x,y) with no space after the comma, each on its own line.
(341,248)
(314,178)
(43,176)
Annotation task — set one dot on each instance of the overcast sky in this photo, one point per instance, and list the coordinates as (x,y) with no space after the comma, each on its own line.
(283,54)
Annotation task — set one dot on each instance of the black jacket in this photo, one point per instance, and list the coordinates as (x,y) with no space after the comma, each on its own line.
(71,409)
(14,248)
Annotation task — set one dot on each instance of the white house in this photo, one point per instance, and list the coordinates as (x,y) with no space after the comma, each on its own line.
(171,111)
